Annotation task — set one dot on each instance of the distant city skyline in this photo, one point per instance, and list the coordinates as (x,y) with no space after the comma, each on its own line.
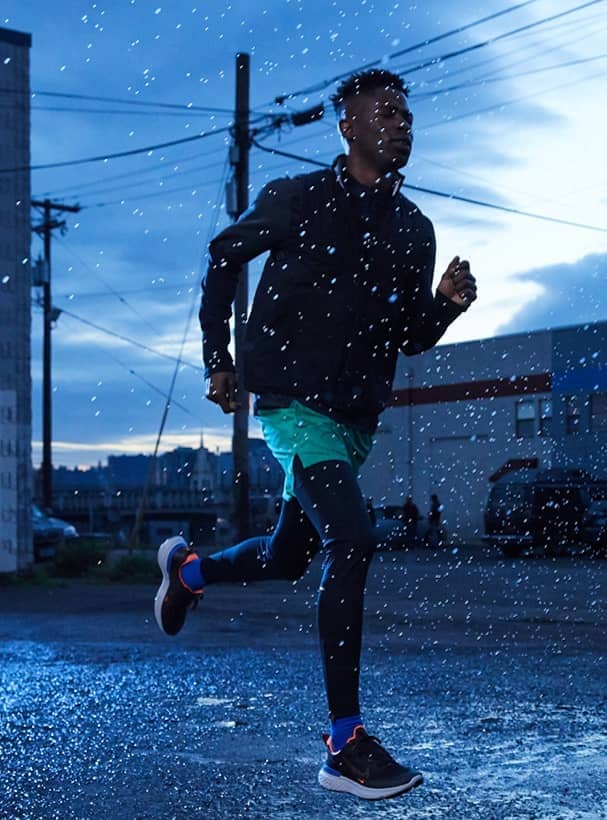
(516,120)
(185,468)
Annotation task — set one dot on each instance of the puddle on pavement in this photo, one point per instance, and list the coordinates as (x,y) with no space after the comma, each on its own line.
(212,701)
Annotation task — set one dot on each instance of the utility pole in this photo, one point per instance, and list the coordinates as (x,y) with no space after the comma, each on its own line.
(237,202)
(237,199)
(45,229)
(410,432)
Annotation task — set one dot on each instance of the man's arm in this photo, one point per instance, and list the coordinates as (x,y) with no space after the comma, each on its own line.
(262,227)
(433,313)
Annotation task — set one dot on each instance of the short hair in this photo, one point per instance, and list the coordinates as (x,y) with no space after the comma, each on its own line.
(362,81)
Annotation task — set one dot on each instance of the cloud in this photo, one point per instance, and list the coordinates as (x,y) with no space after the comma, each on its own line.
(571,294)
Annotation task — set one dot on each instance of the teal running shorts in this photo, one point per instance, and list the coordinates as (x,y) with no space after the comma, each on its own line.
(298,430)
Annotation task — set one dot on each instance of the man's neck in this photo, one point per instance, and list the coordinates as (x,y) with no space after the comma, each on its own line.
(370,177)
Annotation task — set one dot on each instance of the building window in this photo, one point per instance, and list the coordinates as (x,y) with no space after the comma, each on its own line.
(525,418)
(545,417)
(573,406)
(598,412)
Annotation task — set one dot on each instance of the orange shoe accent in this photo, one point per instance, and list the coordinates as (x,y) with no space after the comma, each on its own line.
(358,726)
(191,557)
(330,743)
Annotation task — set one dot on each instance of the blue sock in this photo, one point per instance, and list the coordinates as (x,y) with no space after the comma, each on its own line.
(342,730)
(191,575)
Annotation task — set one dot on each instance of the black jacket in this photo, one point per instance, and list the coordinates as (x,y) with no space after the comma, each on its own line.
(344,289)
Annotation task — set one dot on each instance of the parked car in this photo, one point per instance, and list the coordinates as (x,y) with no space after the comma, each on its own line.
(594,526)
(47,536)
(539,509)
(49,533)
(69,530)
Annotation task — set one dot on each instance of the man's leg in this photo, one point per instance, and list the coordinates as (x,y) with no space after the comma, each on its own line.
(283,555)
(356,763)
(329,495)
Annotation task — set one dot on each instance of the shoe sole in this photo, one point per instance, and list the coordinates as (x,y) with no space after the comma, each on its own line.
(164,554)
(339,783)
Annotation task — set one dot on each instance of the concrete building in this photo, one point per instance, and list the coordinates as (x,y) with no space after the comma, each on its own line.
(204,470)
(190,488)
(127,470)
(15,381)
(463,414)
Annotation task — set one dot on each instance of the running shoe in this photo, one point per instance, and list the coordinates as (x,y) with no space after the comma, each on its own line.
(174,598)
(364,768)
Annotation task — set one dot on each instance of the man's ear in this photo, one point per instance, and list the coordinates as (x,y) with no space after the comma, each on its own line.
(345,129)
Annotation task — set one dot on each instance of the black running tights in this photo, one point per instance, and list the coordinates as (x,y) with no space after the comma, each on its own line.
(328,510)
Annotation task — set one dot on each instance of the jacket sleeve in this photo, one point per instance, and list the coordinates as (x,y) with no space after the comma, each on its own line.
(264,226)
(431,314)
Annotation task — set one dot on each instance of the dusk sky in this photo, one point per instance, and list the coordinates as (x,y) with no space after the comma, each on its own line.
(519,122)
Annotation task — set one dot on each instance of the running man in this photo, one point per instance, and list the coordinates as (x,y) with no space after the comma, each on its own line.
(347,285)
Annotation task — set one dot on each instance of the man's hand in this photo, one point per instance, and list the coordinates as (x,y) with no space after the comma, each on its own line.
(457,283)
(221,389)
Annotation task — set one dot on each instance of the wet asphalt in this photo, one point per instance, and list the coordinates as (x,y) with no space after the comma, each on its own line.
(488,675)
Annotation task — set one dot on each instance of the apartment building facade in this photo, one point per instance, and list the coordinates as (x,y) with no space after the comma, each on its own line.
(15,380)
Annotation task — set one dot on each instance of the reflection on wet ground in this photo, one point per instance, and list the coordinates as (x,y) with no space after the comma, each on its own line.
(94,732)
(488,675)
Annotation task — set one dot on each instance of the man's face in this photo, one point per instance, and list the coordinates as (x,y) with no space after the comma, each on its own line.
(377,126)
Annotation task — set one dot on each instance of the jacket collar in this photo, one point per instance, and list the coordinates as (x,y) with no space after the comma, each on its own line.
(344,177)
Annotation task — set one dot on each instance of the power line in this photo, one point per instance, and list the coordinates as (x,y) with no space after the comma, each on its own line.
(96,294)
(113,111)
(445,195)
(479,178)
(154,194)
(195,170)
(410,69)
(147,382)
(325,83)
(193,188)
(129,341)
(110,288)
(179,360)
(148,103)
(126,174)
(500,105)
(528,57)
(484,81)
(118,155)
(476,46)
(189,187)
(321,164)
(77,189)
(142,171)
(505,103)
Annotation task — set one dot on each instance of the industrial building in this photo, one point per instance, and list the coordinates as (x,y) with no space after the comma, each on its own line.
(15,380)
(464,414)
